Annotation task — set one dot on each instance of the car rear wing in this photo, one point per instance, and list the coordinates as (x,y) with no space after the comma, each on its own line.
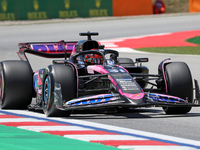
(59,49)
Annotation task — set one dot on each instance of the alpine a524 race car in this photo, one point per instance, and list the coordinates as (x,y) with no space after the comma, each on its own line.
(91,77)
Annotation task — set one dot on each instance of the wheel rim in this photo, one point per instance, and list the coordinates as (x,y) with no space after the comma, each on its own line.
(46,94)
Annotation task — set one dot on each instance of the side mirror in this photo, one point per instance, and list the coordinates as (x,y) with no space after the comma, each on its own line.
(101,46)
(141,60)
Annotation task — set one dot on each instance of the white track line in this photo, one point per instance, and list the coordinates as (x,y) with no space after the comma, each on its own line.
(53,128)
(111,128)
(128,50)
(156,147)
(20,120)
(133,37)
(110,43)
(103,137)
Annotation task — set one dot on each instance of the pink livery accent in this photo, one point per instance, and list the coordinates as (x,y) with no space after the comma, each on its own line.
(132,96)
(39,80)
(100,69)
(163,70)
(73,51)
(97,68)
(113,81)
(37,83)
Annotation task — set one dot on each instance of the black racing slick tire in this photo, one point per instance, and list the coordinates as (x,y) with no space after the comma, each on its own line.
(16,84)
(179,83)
(65,76)
(125,61)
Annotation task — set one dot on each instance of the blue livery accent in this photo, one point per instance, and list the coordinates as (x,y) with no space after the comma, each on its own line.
(165,98)
(93,100)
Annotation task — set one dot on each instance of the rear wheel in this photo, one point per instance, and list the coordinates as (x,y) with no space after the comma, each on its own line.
(16,84)
(64,75)
(179,83)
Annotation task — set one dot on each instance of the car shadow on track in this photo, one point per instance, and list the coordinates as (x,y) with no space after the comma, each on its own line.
(128,114)
(124,114)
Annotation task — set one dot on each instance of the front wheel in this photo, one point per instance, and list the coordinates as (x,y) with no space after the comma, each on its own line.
(179,83)
(64,75)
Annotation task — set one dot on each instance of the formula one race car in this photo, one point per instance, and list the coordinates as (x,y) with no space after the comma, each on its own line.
(91,77)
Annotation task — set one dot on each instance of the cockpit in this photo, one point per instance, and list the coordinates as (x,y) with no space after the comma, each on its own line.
(91,52)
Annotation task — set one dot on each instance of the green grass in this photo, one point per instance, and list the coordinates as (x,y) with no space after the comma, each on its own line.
(195,40)
(192,50)
(12,138)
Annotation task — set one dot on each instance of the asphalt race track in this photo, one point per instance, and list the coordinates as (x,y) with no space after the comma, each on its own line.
(145,119)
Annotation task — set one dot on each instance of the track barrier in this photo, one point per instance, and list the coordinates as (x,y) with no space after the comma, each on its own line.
(49,9)
(194,6)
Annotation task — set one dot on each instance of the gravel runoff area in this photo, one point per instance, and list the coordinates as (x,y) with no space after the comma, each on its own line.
(47,21)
